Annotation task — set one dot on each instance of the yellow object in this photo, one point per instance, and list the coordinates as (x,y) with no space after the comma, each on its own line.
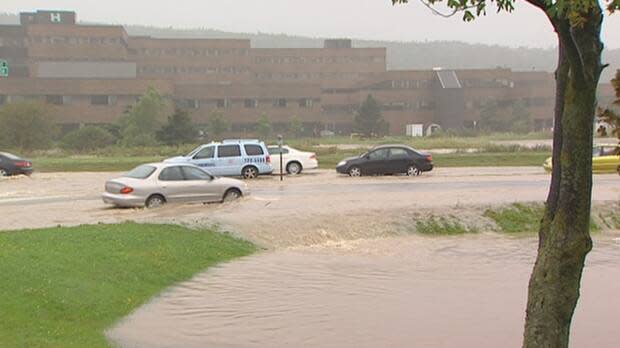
(605,159)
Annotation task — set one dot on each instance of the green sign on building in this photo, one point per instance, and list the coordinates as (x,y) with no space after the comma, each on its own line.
(4,68)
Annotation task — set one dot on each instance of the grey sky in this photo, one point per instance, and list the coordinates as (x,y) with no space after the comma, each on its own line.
(364,19)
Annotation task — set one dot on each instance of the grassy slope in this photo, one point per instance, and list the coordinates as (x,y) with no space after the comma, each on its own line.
(91,163)
(116,158)
(327,160)
(62,287)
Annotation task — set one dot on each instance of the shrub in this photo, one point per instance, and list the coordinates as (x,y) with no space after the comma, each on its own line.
(179,130)
(140,123)
(87,138)
(26,125)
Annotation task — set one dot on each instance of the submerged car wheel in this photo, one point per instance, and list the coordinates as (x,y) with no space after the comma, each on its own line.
(250,172)
(355,171)
(231,195)
(293,168)
(3,172)
(413,171)
(155,201)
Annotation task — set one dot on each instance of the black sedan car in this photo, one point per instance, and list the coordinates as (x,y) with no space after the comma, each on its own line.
(387,159)
(14,165)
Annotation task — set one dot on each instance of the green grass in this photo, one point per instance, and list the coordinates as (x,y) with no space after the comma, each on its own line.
(520,217)
(434,142)
(610,220)
(328,159)
(62,287)
(117,158)
(443,226)
(491,159)
(91,163)
(517,217)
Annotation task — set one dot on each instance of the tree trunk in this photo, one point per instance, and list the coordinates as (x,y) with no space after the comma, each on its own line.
(564,238)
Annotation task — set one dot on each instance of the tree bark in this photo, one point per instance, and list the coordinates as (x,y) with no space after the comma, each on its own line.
(564,238)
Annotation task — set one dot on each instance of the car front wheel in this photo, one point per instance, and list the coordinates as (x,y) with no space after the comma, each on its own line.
(3,172)
(355,171)
(231,195)
(413,171)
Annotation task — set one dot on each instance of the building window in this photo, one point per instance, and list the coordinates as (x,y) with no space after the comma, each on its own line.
(251,103)
(193,103)
(223,103)
(305,103)
(55,99)
(187,104)
(279,103)
(102,100)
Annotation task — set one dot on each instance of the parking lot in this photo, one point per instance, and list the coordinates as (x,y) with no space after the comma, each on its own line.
(302,210)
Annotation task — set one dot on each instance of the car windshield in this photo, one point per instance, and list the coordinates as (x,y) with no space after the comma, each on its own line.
(9,155)
(194,151)
(141,172)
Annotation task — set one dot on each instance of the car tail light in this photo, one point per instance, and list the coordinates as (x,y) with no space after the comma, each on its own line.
(268,159)
(22,164)
(429,158)
(313,156)
(126,190)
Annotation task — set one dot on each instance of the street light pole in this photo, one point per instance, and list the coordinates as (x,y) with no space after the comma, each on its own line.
(280,143)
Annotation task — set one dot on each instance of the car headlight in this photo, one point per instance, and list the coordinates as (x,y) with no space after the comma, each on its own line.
(341,163)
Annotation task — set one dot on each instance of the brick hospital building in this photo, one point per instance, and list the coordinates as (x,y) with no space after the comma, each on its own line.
(92,73)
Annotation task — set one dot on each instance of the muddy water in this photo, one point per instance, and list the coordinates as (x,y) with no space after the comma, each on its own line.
(392,292)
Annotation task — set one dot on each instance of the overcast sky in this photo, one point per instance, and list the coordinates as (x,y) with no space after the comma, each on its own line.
(362,19)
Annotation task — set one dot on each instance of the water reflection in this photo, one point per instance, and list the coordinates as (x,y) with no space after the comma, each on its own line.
(402,292)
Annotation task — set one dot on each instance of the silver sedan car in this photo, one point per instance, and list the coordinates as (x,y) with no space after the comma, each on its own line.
(155,184)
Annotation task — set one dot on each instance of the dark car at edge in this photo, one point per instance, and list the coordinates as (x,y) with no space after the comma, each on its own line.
(14,165)
(387,159)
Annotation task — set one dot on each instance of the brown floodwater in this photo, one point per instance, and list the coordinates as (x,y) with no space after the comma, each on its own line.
(467,291)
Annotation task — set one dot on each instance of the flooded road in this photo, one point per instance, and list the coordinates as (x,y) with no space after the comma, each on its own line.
(467,291)
(309,209)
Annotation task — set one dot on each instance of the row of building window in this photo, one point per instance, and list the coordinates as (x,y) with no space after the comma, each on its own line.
(190,52)
(318,60)
(193,70)
(398,84)
(75,40)
(309,76)
(414,105)
(12,42)
(223,103)
(306,103)
(488,83)
(62,99)
(505,103)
